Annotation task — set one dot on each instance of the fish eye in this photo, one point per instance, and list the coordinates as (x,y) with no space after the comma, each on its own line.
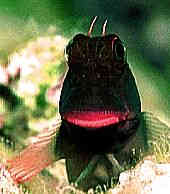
(120,51)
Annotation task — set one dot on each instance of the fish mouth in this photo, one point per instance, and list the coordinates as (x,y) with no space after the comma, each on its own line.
(96,119)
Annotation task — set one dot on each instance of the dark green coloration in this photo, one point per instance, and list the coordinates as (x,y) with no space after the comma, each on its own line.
(10,97)
(15,115)
(40,98)
(41,103)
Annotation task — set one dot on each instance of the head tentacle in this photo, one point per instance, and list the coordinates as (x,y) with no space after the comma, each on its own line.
(91,26)
(104,28)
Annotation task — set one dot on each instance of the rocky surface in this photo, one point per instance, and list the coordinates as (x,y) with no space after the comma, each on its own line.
(147,178)
(7,185)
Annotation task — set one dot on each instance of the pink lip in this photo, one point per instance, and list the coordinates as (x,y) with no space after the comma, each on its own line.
(92,119)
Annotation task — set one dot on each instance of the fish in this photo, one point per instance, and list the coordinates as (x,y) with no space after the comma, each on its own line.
(102,126)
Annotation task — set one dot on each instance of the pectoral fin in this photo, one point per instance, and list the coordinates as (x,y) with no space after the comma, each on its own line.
(37,156)
(154,130)
(151,131)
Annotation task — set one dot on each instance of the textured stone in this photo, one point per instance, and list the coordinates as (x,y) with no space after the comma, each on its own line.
(147,178)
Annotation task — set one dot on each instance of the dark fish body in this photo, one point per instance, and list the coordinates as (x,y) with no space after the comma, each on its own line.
(101,113)
(99,99)
(99,107)
(102,127)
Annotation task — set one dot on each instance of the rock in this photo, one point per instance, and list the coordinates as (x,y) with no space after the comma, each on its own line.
(161,185)
(146,178)
(162,169)
(146,172)
(7,185)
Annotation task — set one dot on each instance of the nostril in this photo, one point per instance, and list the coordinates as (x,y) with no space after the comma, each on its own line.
(98,75)
(83,75)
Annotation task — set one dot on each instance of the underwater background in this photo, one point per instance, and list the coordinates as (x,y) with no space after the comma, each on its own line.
(33,35)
